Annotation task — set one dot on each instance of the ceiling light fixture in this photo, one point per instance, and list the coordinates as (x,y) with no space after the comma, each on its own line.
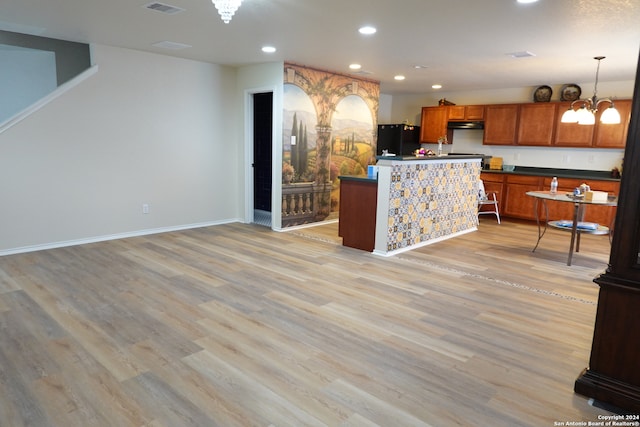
(355,66)
(436,86)
(226,8)
(367,30)
(399,77)
(268,49)
(586,114)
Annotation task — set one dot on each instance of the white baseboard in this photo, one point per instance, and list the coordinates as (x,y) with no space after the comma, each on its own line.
(103,238)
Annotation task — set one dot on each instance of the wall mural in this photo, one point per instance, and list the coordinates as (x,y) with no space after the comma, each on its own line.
(329,129)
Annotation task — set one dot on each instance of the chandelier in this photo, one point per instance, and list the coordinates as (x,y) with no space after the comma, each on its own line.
(226,8)
(586,114)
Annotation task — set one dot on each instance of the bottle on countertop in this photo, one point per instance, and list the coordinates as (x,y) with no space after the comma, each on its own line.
(554,185)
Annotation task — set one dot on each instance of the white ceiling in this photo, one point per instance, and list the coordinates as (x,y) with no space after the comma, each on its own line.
(463,43)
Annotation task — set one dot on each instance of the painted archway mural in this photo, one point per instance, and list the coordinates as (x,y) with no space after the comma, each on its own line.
(329,128)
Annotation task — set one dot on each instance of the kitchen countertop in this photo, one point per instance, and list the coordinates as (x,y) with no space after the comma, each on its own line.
(560,173)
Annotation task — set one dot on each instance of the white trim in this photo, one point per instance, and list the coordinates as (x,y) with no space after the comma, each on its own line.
(248,153)
(309,225)
(18,117)
(96,239)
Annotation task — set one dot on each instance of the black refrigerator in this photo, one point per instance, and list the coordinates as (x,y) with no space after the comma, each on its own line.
(398,139)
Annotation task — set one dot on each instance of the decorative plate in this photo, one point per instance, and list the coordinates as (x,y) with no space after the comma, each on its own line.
(570,92)
(542,94)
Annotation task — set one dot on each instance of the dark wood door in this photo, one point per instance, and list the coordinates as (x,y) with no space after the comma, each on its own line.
(262,149)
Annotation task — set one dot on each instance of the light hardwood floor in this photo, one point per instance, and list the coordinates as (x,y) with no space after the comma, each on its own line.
(237,325)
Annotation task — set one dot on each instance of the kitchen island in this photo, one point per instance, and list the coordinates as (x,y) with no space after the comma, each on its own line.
(420,201)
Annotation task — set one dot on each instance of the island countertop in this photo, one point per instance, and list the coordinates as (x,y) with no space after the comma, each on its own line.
(430,158)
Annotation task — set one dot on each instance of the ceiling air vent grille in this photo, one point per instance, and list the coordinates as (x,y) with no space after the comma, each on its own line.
(164,8)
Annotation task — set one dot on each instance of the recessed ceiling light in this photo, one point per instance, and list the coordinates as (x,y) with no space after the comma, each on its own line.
(355,66)
(527,1)
(436,86)
(399,77)
(268,49)
(367,30)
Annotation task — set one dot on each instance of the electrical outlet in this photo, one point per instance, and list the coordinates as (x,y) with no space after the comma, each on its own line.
(516,156)
(591,158)
(565,159)
(145,208)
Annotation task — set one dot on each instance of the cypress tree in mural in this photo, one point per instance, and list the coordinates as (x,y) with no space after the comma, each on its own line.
(300,168)
(294,148)
(304,151)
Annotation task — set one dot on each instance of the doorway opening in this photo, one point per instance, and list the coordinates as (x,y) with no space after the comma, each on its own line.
(262,151)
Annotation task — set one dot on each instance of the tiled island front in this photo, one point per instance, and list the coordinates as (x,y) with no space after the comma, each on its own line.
(425,200)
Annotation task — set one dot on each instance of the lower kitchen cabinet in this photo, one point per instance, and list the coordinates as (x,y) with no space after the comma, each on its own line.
(493,183)
(516,203)
(604,215)
(513,202)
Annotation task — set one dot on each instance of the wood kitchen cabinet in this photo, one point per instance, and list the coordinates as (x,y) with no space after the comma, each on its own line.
(613,136)
(433,124)
(516,203)
(536,124)
(511,192)
(603,215)
(493,183)
(461,113)
(571,134)
(358,204)
(500,124)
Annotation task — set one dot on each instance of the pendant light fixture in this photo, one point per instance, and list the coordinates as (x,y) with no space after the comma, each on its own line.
(226,8)
(586,114)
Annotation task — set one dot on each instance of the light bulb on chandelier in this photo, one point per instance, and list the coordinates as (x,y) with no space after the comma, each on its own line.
(226,8)
(586,114)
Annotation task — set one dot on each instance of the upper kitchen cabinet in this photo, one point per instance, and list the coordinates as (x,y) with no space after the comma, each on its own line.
(433,124)
(536,124)
(613,136)
(463,113)
(571,134)
(500,124)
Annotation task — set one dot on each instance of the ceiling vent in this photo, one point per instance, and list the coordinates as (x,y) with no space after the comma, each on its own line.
(171,45)
(164,8)
(521,54)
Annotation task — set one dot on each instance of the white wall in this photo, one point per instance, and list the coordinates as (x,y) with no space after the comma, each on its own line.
(408,107)
(145,129)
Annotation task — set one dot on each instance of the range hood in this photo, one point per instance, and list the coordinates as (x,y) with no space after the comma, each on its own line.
(465,125)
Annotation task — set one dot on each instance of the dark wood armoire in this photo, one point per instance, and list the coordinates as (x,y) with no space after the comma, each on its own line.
(613,375)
